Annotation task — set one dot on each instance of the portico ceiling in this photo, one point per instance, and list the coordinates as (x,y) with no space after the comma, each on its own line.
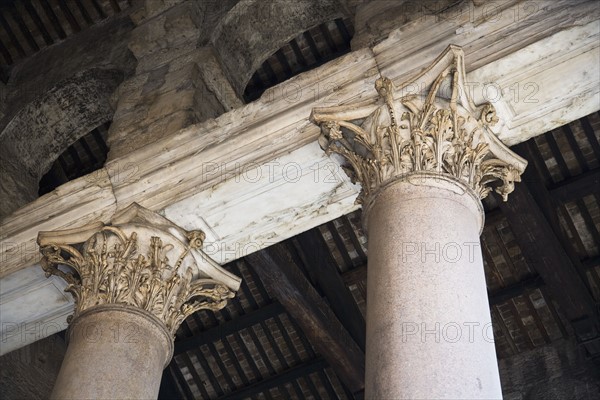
(28,26)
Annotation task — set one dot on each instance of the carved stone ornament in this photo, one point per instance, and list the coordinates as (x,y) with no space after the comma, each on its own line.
(426,124)
(142,260)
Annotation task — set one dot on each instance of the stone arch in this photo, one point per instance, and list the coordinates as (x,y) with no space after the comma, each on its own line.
(41,130)
(253,30)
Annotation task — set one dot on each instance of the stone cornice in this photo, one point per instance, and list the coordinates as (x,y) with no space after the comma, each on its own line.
(430,124)
(141,260)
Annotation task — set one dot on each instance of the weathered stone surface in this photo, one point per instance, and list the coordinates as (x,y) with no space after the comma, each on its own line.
(438,341)
(54,121)
(178,26)
(3,103)
(17,187)
(114,353)
(36,75)
(539,91)
(177,84)
(253,30)
(273,128)
(375,19)
(54,98)
(51,124)
(215,79)
(89,198)
(269,128)
(486,33)
(166,101)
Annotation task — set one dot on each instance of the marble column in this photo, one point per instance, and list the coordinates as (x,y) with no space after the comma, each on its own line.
(425,156)
(134,281)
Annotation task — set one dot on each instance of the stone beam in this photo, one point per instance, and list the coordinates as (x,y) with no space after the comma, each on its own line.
(258,170)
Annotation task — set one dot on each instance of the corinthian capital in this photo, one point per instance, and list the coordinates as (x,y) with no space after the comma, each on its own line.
(427,124)
(142,260)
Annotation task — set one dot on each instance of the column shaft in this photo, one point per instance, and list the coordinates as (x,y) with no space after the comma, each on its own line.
(115,352)
(425,159)
(429,333)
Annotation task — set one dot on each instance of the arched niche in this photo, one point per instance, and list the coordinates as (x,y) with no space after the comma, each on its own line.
(45,127)
(308,50)
(253,30)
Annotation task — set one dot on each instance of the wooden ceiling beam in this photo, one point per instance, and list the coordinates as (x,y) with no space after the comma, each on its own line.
(24,29)
(99,10)
(281,379)
(591,135)
(531,214)
(591,262)
(168,387)
(341,26)
(84,13)
(69,16)
(229,327)
(11,35)
(577,187)
(355,275)
(7,58)
(37,21)
(286,282)
(322,266)
(298,53)
(53,19)
(509,292)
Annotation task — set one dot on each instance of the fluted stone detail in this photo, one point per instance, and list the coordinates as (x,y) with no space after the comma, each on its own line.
(428,124)
(142,260)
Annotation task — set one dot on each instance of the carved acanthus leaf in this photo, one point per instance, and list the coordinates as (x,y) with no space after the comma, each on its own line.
(422,132)
(110,267)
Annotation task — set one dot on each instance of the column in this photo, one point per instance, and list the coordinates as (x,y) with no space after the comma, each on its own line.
(425,156)
(134,281)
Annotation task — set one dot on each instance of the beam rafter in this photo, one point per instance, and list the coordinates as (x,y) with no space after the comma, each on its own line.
(229,327)
(322,266)
(577,187)
(291,374)
(543,246)
(284,280)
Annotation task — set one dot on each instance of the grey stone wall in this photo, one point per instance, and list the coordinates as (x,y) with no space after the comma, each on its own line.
(52,99)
